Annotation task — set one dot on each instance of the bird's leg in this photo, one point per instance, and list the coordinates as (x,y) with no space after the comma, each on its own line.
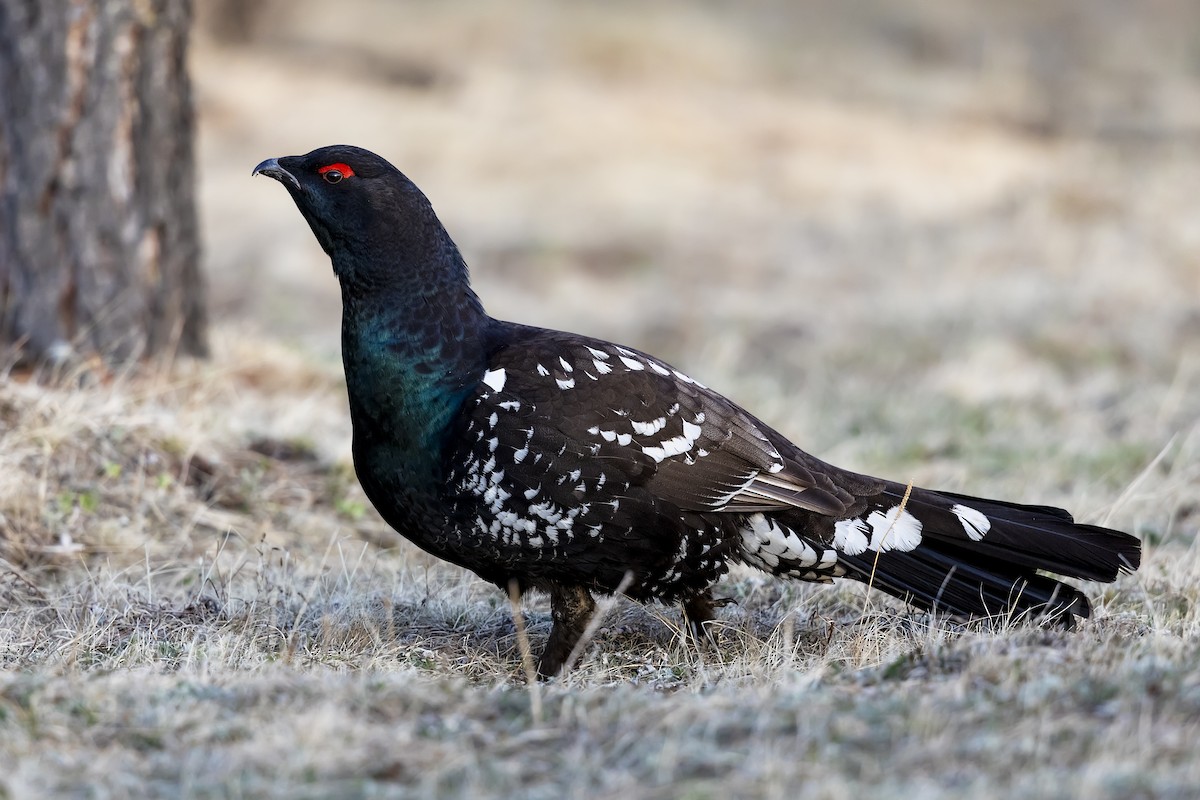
(571,607)
(698,611)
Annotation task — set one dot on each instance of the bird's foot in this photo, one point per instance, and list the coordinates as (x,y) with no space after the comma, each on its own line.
(699,611)
(571,608)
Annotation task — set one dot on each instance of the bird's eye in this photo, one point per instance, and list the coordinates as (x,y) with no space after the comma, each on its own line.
(335,173)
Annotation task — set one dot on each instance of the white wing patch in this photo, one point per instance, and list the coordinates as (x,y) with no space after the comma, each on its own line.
(895,530)
(632,364)
(850,536)
(648,428)
(679,444)
(687,379)
(975,523)
(495,378)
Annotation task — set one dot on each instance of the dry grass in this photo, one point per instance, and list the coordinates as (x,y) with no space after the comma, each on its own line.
(908,237)
(192,607)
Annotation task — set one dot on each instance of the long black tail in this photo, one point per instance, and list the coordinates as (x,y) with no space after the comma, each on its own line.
(983,557)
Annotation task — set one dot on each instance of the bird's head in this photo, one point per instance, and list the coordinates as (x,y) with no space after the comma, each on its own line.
(371,219)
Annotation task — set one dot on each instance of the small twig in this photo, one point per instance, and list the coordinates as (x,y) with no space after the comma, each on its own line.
(1137,482)
(879,550)
(788,635)
(531,676)
(602,608)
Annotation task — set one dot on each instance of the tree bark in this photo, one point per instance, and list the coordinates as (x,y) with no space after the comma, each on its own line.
(99,248)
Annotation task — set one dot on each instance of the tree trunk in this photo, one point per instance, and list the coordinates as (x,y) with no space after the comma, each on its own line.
(99,250)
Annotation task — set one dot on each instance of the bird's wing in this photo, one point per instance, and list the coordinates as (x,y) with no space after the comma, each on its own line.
(572,438)
(656,427)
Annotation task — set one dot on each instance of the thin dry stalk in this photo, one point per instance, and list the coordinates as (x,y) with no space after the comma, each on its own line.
(531,676)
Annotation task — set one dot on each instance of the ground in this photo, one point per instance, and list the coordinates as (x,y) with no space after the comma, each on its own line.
(953,244)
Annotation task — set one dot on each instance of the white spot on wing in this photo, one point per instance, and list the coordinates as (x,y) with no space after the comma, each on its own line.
(895,530)
(975,523)
(632,364)
(495,378)
(648,428)
(673,447)
(850,536)
(569,383)
(688,379)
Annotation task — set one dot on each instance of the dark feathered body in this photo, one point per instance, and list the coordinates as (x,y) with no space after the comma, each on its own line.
(576,465)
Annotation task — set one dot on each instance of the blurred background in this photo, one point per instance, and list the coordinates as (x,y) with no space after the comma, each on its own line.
(856,218)
(952,243)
